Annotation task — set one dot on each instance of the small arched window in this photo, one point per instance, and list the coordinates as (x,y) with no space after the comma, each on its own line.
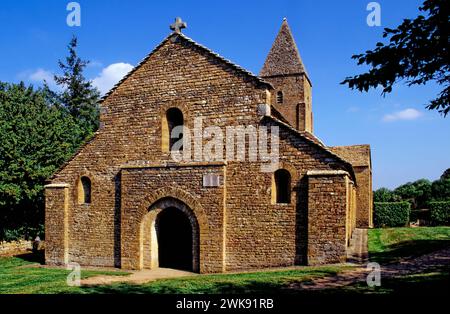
(281,187)
(84,191)
(279,97)
(171,133)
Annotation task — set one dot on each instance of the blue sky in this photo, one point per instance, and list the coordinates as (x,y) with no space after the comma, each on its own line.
(408,142)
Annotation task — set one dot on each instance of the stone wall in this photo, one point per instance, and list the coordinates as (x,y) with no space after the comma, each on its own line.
(15,247)
(261,234)
(297,103)
(144,186)
(239,227)
(329,213)
(178,74)
(364,218)
(359,156)
(56,224)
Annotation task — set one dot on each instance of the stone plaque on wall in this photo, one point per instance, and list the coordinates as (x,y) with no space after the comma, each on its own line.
(211,180)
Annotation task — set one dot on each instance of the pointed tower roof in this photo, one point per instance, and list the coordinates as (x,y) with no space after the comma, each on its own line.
(283,57)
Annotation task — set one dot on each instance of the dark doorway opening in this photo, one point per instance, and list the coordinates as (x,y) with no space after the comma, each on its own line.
(174,233)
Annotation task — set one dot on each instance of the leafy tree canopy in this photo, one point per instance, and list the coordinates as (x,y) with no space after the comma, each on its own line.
(79,96)
(446,174)
(418,193)
(418,52)
(385,195)
(37,135)
(440,189)
(39,131)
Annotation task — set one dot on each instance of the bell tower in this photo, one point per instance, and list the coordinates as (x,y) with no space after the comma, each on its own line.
(284,69)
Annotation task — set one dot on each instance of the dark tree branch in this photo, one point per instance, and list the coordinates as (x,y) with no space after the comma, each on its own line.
(417,52)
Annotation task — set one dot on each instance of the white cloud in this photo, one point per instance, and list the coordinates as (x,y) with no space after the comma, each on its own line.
(41,75)
(110,76)
(407,114)
(353,109)
(95,64)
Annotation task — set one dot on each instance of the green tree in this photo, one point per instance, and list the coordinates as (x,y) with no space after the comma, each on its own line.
(418,193)
(417,52)
(440,190)
(446,174)
(79,96)
(383,195)
(423,192)
(37,135)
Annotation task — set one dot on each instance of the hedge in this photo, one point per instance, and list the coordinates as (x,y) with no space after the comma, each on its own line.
(391,214)
(440,213)
(22,233)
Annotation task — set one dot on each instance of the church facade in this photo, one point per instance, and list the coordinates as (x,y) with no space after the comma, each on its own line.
(123,200)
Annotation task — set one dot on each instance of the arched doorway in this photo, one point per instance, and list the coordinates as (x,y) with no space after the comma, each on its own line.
(174,236)
(170,236)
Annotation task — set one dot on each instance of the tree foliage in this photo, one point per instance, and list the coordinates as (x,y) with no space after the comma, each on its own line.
(418,52)
(384,195)
(418,193)
(446,174)
(440,213)
(392,214)
(79,96)
(37,135)
(440,189)
(40,129)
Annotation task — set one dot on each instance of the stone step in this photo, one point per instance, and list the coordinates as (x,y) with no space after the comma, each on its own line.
(357,252)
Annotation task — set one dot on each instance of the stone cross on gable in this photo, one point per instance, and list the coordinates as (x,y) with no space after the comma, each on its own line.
(178,25)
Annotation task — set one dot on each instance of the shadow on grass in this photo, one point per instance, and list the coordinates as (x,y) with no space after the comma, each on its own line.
(33,257)
(254,283)
(435,282)
(252,287)
(408,249)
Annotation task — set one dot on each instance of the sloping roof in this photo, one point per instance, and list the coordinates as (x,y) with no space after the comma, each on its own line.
(276,114)
(317,142)
(283,57)
(174,37)
(357,155)
(180,36)
(86,142)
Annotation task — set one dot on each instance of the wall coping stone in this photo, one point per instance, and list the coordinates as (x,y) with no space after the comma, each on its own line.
(175,164)
(56,186)
(312,173)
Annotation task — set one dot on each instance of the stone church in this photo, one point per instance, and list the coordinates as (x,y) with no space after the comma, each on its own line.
(123,201)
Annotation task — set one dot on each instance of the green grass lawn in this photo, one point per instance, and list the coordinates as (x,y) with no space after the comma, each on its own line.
(391,244)
(256,283)
(20,274)
(434,282)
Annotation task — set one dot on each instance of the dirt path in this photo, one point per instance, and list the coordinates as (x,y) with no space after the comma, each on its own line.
(404,267)
(137,277)
(408,266)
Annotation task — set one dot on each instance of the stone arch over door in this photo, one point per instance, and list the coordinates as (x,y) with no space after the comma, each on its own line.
(150,239)
(137,217)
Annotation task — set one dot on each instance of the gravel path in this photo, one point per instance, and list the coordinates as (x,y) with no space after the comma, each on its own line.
(404,267)
(137,277)
(410,266)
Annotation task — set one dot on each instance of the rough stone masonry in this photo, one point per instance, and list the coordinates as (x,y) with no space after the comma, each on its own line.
(121,201)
